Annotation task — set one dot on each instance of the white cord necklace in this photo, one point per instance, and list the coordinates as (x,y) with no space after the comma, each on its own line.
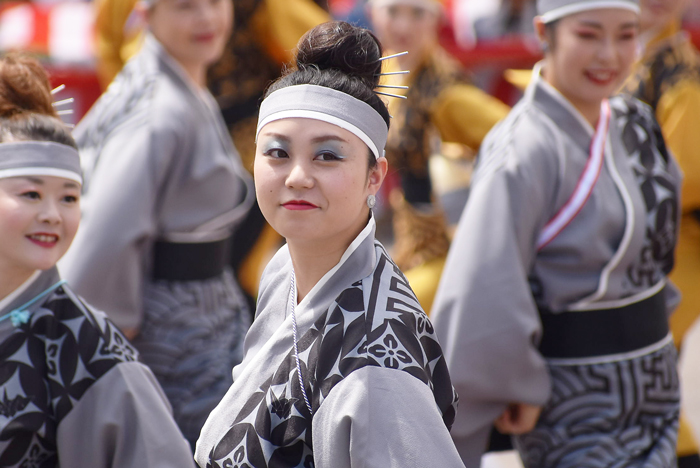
(292,304)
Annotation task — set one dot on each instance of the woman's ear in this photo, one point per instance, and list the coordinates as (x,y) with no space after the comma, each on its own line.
(540,29)
(377,174)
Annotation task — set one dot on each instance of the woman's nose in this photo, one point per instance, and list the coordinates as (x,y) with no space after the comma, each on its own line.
(299,176)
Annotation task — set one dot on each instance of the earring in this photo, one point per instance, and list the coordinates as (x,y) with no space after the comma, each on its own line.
(371,201)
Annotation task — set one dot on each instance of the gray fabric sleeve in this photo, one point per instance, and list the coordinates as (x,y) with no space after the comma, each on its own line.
(484,311)
(381,418)
(107,262)
(123,420)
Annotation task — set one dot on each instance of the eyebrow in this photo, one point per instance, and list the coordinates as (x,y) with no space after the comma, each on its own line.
(595,25)
(318,139)
(324,138)
(279,136)
(36,180)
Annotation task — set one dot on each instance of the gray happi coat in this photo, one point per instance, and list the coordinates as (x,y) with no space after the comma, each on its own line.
(616,251)
(159,164)
(372,368)
(74,393)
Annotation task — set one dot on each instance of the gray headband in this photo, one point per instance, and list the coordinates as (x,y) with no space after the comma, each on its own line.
(551,10)
(39,158)
(328,105)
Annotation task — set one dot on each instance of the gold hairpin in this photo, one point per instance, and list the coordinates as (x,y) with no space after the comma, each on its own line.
(58,89)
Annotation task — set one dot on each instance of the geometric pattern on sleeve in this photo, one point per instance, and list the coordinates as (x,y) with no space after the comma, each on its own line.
(650,162)
(46,366)
(273,428)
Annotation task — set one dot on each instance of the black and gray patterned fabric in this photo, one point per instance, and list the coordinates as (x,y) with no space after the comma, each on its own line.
(46,366)
(616,414)
(650,161)
(191,337)
(371,323)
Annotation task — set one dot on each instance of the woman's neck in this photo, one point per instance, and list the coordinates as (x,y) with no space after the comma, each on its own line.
(197,73)
(311,263)
(313,258)
(11,279)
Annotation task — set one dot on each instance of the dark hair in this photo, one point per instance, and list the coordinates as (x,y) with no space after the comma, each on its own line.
(340,56)
(26,110)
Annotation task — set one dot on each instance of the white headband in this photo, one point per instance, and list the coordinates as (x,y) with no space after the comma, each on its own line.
(328,105)
(551,10)
(39,158)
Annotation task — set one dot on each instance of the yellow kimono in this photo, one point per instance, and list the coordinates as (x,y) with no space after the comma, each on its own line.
(667,77)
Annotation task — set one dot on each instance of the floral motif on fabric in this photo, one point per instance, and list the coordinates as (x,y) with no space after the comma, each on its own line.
(46,366)
(274,427)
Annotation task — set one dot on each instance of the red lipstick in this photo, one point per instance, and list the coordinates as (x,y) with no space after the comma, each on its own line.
(297,205)
(43,239)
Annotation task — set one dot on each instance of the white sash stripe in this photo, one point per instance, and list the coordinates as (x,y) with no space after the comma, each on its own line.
(585,185)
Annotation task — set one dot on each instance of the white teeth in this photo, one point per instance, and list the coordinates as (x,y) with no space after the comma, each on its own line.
(601,76)
(44,238)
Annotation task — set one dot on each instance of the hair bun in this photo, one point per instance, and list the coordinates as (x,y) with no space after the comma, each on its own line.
(339,45)
(24,87)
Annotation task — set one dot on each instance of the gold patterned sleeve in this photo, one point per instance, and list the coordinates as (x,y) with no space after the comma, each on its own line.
(279,24)
(678,113)
(464,114)
(115,41)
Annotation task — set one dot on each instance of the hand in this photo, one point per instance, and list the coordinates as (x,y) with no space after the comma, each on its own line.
(518,418)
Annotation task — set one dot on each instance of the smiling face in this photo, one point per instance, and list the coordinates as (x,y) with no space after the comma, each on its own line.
(590,54)
(312,181)
(194,32)
(406,27)
(39,217)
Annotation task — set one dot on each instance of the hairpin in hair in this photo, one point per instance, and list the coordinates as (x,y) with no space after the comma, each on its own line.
(58,89)
(63,102)
(392,56)
(391,86)
(402,72)
(390,95)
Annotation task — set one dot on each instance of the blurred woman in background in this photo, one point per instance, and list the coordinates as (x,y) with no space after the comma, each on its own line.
(163,194)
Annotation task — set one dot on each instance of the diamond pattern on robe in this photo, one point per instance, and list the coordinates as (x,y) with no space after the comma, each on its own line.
(375,322)
(46,366)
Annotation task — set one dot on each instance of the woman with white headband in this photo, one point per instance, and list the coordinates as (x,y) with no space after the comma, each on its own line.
(554,301)
(73,391)
(342,368)
(164,193)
